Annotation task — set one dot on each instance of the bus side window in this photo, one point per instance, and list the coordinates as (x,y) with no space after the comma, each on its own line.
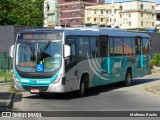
(145,45)
(94,47)
(84,48)
(127,44)
(133,46)
(103,45)
(118,46)
(111,47)
(73,51)
(138,45)
(71,41)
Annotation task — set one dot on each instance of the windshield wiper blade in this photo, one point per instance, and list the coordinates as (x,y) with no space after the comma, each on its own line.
(49,42)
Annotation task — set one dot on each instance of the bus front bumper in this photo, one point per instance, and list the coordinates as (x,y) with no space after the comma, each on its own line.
(55,88)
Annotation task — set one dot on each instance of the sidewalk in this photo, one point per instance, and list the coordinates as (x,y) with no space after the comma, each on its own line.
(154,87)
(5,97)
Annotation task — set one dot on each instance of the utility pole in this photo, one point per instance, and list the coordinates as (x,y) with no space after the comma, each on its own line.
(113,12)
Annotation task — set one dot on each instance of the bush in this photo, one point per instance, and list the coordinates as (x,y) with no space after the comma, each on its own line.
(156,60)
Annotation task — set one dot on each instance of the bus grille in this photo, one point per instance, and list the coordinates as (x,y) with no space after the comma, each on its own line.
(41,88)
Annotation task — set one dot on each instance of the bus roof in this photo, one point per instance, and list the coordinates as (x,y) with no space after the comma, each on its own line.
(89,31)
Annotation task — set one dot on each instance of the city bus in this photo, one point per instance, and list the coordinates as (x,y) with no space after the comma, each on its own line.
(50,60)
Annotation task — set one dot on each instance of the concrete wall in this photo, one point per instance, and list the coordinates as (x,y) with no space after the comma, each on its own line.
(8,36)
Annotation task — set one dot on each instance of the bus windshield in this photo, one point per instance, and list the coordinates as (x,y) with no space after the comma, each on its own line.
(44,53)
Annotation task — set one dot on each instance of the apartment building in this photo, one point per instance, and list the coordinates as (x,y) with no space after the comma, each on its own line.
(101,15)
(72,11)
(51,16)
(134,15)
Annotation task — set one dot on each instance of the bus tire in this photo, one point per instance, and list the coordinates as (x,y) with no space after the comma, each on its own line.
(82,87)
(81,90)
(128,79)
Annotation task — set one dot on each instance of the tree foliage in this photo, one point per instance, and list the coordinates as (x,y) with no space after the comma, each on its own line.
(156,59)
(21,12)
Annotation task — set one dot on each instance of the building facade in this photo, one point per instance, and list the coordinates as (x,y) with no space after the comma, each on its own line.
(72,11)
(51,14)
(101,15)
(127,15)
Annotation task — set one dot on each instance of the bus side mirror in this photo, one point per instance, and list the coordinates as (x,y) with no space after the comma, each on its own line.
(11,51)
(67,51)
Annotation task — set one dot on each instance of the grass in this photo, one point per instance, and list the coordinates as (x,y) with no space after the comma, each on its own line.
(9,76)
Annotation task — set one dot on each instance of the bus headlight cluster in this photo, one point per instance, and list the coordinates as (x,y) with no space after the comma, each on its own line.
(58,79)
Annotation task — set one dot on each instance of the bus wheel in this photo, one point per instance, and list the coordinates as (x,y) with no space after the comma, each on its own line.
(81,90)
(128,79)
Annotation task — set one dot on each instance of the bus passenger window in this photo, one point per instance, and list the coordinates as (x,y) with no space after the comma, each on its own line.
(103,46)
(138,45)
(133,46)
(94,47)
(111,48)
(73,52)
(127,44)
(84,49)
(118,46)
(145,45)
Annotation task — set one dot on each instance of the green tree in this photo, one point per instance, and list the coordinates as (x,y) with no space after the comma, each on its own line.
(21,12)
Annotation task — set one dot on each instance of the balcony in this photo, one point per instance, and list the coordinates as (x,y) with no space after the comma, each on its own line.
(64,1)
(138,10)
(71,16)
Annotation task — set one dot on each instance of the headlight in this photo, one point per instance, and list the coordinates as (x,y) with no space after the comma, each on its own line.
(57,79)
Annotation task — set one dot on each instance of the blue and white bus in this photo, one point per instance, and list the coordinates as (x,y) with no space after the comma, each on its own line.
(62,60)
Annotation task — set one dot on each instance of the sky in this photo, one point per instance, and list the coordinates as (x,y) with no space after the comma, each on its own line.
(108,1)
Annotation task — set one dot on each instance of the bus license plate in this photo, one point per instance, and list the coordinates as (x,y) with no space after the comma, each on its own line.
(34,90)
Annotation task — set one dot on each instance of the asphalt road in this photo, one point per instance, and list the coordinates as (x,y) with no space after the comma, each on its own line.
(107,98)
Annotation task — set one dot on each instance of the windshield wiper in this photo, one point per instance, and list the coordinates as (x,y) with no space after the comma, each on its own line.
(49,42)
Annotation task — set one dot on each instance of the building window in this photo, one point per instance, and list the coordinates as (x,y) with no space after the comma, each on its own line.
(141,14)
(94,19)
(141,23)
(101,19)
(141,6)
(129,15)
(152,23)
(152,7)
(129,23)
(120,7)
(101,11)
(88,19)
(120,15)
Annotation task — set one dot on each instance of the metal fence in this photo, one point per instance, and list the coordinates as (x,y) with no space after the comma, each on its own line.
(6,74)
